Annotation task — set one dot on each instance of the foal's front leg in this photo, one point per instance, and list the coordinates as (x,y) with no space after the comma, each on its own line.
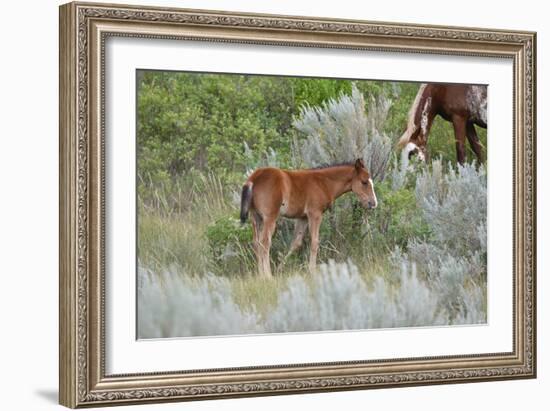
(300,228)
(314,220)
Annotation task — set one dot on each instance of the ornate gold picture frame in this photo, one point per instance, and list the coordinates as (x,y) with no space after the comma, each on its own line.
(84,30)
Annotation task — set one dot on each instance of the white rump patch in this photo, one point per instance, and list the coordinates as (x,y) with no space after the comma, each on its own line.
(476,100)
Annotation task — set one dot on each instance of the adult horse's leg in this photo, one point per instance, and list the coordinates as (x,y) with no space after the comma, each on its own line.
(268,229)
(459,124)
(473,139)
(314,221)
(300,227)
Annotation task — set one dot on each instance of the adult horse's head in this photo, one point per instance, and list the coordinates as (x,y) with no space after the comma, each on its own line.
(362,186)
(415,148)
(414,140)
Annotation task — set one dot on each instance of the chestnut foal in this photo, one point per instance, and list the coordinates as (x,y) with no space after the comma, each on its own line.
(302,195)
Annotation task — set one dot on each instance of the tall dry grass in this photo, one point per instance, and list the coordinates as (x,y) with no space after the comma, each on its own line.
(172,221)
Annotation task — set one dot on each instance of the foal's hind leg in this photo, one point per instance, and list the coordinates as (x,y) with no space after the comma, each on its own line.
(268,229)
(256,228)
(473,139)
(314,221)
(300,227)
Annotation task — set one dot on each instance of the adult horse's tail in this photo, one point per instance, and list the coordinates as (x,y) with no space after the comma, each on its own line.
(246,199)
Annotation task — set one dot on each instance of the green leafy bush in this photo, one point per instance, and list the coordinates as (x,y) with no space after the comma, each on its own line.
(230,244)
(397,218)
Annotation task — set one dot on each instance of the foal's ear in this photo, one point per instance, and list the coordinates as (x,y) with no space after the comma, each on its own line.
(359,164)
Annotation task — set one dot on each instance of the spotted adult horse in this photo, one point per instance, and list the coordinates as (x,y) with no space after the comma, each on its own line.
(303,195)
(462,105)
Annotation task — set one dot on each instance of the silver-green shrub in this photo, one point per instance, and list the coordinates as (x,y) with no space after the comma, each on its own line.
(267,159)
(172,305)
(454,205)
(341,130)
(453,259)
(338,297)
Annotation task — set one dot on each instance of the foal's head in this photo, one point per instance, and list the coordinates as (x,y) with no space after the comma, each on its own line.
(361,184)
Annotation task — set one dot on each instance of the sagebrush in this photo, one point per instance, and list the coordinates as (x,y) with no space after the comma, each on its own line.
(173,304)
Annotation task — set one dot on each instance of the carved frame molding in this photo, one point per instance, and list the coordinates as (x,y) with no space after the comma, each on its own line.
(84,27)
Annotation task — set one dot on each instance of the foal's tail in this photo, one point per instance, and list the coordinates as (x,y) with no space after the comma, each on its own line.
(246,199)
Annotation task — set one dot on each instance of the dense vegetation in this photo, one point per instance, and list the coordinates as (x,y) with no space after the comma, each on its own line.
(199,135)
(200,122)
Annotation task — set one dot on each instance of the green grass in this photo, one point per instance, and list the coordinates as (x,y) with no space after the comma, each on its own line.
(441,141)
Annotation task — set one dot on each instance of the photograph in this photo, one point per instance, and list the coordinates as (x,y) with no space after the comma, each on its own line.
(278,204)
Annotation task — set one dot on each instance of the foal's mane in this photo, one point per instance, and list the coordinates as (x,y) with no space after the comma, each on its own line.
(330,165)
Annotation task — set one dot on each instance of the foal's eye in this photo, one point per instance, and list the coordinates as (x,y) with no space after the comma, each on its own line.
(365,183)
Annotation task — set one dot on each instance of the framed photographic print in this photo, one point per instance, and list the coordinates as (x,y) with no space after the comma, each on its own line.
(258,204)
